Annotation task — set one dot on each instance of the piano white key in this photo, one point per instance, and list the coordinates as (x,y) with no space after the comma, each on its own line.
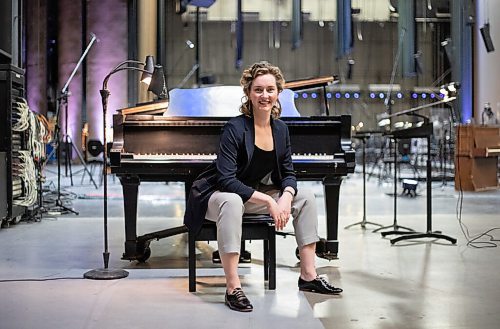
(190,156)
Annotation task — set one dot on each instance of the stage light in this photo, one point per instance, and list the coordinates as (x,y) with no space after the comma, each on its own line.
(449,90)
(355,95)
(381,95)
(399,124)
(304,95)
(414,95)
(423,95)
(329,95)
(372,95)
(399,95)
(338,95)
(347,95)
(384,122)
(295,95)
(314,95)
(148,70)
(158,85)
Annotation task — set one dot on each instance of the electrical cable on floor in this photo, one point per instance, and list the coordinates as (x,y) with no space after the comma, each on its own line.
(46,279)
(473,241)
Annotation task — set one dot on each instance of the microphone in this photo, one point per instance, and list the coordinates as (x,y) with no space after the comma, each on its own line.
(93,37)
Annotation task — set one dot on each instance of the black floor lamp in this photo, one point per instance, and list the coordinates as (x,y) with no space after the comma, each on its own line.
(154,76)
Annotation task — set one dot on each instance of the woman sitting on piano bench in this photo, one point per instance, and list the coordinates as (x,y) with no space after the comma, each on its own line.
(253,173)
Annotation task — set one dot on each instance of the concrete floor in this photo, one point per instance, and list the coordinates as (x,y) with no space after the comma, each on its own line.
(413,284)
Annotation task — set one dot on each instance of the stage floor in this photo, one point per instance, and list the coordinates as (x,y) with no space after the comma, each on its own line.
(423,283)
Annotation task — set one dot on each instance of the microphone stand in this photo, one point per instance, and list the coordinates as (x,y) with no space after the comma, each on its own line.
(363,137)
(63,99)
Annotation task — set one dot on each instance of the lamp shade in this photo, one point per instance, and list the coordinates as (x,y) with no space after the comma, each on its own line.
(158,85)
(148,70)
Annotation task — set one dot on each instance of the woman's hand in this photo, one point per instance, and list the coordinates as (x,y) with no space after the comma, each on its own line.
(280,210)
(275,212)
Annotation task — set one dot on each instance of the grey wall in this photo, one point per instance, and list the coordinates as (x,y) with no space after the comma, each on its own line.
(487,65)
(374,57)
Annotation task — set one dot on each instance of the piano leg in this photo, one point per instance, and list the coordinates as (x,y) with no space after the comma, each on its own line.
(130,186)
(329,248)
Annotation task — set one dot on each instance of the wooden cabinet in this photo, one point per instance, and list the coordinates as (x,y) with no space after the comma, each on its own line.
(476,157)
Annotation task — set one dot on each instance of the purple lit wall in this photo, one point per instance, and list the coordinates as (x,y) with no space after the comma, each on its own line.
(108,21)
(69,52)
(36,60)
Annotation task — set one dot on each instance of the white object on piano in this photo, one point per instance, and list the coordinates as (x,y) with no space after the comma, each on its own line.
(219,101)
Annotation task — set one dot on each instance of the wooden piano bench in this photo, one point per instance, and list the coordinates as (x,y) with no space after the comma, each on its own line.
(255,227)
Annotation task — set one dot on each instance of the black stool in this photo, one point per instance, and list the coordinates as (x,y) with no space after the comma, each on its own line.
(255,227)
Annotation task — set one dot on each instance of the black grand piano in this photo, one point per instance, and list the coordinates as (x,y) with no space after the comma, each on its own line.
(177,148)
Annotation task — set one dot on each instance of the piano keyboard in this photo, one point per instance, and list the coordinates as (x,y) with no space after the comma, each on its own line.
(210,157)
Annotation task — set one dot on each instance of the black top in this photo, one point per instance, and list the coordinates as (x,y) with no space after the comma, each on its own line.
(235,154)
(262,164)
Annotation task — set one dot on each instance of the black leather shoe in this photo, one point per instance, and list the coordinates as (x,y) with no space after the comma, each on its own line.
(237,301)
(216,257)
(318,285)
(245,257)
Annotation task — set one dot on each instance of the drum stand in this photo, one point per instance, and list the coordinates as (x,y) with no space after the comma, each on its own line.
(364,222)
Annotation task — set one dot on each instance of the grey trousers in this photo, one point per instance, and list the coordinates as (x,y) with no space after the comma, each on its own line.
(227,209)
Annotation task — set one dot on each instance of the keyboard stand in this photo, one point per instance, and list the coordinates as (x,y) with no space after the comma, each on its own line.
(363,137)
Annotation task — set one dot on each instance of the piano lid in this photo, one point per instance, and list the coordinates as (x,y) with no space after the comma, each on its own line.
(156,107)
(310,83)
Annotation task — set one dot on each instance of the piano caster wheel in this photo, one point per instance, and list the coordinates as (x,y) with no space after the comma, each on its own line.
(145,256)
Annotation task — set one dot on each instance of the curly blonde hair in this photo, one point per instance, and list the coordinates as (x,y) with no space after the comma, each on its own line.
(252,72)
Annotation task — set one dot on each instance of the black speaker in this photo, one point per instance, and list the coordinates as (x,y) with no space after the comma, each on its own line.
(95,147)
(11,23)
(485,33)
(6,34)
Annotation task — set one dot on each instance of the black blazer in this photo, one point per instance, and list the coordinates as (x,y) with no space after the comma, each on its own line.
(234,156)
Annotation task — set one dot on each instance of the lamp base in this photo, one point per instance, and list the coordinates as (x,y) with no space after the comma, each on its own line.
(105,274)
